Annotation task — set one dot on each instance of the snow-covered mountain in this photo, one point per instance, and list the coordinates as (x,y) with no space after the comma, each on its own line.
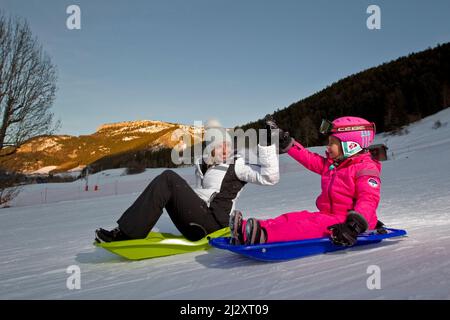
(61,153)
(51,228)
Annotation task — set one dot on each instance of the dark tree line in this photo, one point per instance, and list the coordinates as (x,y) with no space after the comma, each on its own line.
(136,161)
(392,95)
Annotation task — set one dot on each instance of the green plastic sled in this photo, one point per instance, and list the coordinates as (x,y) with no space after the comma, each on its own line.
(159,245)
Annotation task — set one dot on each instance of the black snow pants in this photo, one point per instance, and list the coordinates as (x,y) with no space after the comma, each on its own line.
(190,214)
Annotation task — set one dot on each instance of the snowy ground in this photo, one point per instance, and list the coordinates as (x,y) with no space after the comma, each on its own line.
(40,241)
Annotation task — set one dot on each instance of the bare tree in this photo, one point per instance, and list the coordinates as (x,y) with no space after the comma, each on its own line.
(27,85)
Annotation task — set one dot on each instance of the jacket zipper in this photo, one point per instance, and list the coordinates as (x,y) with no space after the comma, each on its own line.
(333,172)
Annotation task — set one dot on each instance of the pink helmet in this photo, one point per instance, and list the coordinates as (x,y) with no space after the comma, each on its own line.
(354,133)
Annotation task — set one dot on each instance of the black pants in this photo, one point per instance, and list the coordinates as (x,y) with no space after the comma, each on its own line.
(188,211)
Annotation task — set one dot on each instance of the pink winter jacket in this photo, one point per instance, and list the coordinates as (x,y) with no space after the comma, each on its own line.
(353,185)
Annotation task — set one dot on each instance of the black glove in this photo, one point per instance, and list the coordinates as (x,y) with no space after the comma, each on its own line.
(286,141)
(345,234)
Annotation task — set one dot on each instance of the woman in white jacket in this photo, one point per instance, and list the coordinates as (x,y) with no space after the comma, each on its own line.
(201,210)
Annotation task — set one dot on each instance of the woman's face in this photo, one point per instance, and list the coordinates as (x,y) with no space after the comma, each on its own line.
(222,152)
(334,147)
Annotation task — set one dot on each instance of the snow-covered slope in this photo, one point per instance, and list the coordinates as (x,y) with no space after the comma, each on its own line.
(40,241)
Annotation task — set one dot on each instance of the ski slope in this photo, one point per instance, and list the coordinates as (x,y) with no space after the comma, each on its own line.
(39,241)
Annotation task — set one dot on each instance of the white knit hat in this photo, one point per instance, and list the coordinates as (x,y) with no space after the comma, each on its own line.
(215,135)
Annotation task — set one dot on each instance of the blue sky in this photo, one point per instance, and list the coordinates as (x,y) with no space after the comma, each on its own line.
(235,60)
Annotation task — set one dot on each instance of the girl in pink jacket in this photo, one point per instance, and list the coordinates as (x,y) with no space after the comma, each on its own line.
(350,189)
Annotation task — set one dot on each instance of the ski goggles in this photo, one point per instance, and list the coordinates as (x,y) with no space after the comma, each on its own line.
(327,127)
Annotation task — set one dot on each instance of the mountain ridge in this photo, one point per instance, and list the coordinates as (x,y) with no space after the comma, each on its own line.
(66,152)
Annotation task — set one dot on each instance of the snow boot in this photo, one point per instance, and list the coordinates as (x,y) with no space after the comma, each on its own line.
(254,233)
(102,235)
(237,234)
(380,228)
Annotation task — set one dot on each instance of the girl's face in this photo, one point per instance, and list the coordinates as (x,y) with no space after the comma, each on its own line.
(222,152)
(334,147)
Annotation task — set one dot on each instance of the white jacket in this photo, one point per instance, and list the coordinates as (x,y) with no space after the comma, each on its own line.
(209,184)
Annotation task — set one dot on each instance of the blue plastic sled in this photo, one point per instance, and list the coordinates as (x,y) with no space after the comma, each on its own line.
(279,251)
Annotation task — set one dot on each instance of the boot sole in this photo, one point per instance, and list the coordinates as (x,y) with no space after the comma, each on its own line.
(253,232)
(235,223)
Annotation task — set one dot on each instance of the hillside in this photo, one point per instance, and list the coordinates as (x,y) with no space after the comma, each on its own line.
(392,95)
(63,153)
